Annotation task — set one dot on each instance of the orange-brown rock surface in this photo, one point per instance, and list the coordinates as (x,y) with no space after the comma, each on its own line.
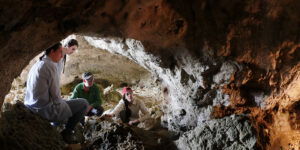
(258,41)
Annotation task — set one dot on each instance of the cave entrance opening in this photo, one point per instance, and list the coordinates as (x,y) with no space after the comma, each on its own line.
(111,72)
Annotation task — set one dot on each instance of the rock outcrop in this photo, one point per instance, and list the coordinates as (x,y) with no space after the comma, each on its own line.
(229,133)
(21,129)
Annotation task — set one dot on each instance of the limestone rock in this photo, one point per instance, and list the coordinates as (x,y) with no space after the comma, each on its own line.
(230,133)
(108,135)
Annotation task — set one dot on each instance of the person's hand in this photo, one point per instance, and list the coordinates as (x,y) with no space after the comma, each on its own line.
(94,111)
(89,108)
(106,116)
(134,122)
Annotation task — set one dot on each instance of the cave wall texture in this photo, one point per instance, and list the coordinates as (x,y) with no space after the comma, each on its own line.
(216,58)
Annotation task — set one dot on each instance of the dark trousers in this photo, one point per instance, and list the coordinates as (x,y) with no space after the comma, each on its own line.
(125,115)
(78,108)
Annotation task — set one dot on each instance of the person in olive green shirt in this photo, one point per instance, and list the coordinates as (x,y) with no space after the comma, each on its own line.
(89,91)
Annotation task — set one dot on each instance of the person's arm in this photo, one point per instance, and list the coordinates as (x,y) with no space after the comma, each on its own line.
(118,108)
(100,97)
(60,67)
(75,93)
(144,110)
(54,89)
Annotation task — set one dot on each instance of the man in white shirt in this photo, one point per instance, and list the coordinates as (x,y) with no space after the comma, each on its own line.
(43,95)
(70,47)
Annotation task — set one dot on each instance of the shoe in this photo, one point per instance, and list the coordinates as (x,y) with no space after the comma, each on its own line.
(68,136)
(55,124)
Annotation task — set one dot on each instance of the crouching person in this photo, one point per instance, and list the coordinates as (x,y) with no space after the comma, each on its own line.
(128,109)
(89,91)
(43,95)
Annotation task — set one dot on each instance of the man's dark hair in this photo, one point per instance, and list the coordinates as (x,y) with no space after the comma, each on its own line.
(53,47)
(72,42)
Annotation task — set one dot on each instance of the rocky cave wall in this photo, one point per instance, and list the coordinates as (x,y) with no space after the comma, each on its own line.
(216,58)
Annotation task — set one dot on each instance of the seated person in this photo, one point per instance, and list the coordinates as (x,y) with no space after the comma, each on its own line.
(43,95)
(89,91)
(128,108)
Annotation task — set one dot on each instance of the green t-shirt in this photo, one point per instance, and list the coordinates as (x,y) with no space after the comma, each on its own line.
(92,96)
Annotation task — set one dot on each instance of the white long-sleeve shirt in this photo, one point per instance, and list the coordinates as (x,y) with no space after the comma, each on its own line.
(43,93)
(135,107)
(60,67)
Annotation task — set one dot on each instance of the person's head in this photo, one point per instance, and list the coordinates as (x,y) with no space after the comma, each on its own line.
(124,84)
(88,79)
(54,52)
(127,94)
(71,46)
